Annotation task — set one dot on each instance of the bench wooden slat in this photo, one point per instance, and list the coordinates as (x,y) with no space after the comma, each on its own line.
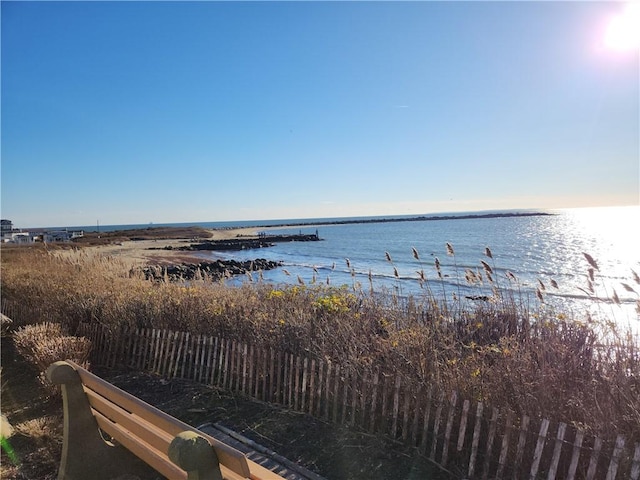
(151,456)
(145,431)
(258,472)
(228,457)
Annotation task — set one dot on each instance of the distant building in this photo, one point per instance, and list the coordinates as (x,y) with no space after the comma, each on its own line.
(6,227)
(61,235)
(16,235)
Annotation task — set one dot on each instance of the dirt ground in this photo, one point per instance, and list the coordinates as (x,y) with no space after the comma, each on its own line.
(328,450)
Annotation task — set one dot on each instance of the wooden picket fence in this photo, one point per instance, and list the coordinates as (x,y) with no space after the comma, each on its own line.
(466,438)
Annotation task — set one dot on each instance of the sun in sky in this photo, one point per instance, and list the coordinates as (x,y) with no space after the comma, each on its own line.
(623,29)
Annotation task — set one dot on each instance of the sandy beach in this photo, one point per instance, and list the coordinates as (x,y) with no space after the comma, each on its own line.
(153,252)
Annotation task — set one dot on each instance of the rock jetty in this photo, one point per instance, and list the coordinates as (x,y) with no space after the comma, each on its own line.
(212,270)
(262,241)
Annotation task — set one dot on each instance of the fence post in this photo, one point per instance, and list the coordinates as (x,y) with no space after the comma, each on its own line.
(475,441)
(615,458)
(555,460)
(447,433)
(635,465)
(593,463)
(537,455)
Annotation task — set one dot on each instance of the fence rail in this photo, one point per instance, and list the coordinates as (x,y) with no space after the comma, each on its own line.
(468,438)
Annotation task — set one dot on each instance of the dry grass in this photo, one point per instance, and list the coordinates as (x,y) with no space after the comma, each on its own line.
(531,360)
(45,343)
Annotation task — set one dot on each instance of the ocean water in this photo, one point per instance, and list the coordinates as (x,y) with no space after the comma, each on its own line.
(535,249)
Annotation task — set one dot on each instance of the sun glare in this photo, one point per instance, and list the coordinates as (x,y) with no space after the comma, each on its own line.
(623,30)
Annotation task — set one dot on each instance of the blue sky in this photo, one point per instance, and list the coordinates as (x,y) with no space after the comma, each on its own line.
(137,112)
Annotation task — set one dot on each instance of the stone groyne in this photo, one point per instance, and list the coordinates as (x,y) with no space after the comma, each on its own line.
(213,270)
(248,243)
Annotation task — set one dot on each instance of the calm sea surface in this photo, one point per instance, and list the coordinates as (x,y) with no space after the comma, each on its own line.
(536,249)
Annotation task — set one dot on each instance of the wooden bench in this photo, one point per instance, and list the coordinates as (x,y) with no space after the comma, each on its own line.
(139,436)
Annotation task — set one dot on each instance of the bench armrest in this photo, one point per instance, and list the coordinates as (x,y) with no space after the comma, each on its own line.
(194,453)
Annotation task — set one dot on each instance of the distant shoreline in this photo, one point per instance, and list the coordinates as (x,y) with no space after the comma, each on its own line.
(420,218)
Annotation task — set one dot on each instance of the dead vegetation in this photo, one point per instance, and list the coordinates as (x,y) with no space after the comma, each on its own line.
(508,354)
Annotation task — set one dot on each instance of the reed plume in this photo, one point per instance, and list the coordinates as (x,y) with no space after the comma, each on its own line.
(591,261)
(450,249)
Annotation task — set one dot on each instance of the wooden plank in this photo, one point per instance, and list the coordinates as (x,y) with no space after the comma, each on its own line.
(236,359)
(384,422)
(345,393)
(145,349)
(263,373)
(593,462)
(296,383)
(336,389)
(312,385)
(319,391)
(504,448)
(164,346)
(425,423)
(245,368)
(253,361)
(208,379)
(155,341)
(416,416)
(171,343)
(475,441)
(615,458)
(575,455)
(279,387)
(327,391)
(193,360)
(463,425)
(635,464)
(365,383)
(522,440)
(557,450)
(490,438)
(158,355)
(354,397)
(225,370)
(303,398)
(166,351)
(286,398)
(202,347)
(185,348)
(291,381)
(272,364)
(447,433)
(436,427)
(374,397)
(175,360)
(215,353)
(139,348)
(537,454)
(128,353)
(405,413)
(396,406)
(151,456)
(145,431)
(221,362)
(257,363)
(238,370)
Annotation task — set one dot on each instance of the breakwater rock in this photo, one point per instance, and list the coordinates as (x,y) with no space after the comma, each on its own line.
(211,270)
(240,243)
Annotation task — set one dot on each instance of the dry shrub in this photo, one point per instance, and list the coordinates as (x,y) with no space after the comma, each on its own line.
(502,351)
(44,344)
(40,427)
